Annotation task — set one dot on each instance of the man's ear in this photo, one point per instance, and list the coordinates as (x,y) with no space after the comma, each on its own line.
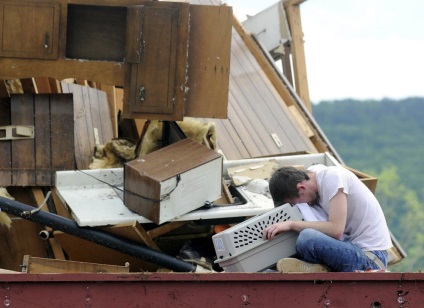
(301,185)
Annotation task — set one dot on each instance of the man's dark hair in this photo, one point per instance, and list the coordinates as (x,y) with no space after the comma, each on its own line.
(283,184)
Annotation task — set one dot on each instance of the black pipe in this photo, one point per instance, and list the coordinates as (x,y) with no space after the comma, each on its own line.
(60,223)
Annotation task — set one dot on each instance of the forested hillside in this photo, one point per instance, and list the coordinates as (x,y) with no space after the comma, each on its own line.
(385,139)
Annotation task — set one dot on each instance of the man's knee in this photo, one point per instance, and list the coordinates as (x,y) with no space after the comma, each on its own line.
(306,239)
(307,235)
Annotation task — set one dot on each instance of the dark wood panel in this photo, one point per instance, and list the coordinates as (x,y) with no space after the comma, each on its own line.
(5,145)
(3,89)
(42,140)
(23,158)
(62,133)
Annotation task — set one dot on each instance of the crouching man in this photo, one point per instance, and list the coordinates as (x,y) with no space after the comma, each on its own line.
(354,237)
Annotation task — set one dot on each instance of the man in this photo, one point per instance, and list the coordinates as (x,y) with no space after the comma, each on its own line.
(354,237)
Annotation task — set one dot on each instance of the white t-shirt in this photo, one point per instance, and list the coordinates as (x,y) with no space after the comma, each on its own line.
(366,225)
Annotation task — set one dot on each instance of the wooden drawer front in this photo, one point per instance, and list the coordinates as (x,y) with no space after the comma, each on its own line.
(29,30)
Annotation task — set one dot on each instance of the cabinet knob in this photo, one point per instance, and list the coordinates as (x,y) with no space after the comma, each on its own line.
(142,93)
(46,41)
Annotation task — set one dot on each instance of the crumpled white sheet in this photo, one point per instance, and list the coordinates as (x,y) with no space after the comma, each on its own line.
(312,213)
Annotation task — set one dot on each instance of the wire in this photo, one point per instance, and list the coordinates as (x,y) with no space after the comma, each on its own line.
(133,193)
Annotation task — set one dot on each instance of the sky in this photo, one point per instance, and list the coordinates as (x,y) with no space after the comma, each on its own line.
(360,49)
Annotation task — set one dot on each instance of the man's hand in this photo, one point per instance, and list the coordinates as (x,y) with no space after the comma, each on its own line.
(273,230)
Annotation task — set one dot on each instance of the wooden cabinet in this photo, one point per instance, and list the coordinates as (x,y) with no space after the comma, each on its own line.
(157,47)
(29,29)
(167,70)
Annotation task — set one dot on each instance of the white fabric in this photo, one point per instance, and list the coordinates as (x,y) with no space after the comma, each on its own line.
(312,213)
(366,225)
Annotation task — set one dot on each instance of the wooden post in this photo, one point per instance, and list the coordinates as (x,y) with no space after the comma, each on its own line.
(298,51)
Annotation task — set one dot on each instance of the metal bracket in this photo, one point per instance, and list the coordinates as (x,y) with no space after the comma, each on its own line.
(13,132)
(277,140)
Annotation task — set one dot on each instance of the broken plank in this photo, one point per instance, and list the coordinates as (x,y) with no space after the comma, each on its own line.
(34,265)
(105,116)
(84,137)
(111,96)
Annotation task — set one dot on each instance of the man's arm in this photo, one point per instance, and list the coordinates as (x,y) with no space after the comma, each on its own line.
(334,227)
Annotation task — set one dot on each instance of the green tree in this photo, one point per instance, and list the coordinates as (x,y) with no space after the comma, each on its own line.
(402,210)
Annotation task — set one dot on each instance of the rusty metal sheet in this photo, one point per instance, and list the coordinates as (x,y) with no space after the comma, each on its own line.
(213,290)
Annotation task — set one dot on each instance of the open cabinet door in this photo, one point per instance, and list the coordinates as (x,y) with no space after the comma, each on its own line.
(157,40)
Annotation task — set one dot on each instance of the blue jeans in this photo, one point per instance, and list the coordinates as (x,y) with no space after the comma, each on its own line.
(316,247)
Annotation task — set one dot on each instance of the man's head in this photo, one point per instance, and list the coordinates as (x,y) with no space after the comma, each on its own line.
(283,184)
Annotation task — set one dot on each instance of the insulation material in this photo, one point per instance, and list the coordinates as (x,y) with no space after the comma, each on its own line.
(113,154)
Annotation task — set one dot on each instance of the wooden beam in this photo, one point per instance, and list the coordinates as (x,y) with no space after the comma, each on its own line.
(100,71)
(56,248)
(61,208)
(292,2)
(298,54)
(134,232)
